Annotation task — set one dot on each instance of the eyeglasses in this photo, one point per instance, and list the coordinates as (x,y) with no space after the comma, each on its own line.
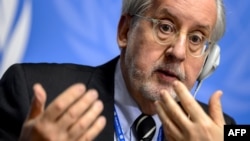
(165,32)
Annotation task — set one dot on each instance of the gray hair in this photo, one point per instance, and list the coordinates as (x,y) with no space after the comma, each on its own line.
(135,6)
(132,7)
(220,25)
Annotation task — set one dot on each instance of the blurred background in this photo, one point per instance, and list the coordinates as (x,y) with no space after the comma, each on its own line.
(84,32)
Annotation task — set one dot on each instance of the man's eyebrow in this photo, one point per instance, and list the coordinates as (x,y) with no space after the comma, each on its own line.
(205,27)
(165,11)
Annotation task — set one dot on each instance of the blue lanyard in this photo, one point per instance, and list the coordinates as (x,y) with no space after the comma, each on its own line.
(119,134)
(118,130)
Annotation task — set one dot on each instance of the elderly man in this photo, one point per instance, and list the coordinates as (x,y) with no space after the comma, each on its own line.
(166,46)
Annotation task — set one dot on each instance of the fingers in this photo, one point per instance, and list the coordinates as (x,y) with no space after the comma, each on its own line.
(170,128)
(177,115)
(172,116)
(95,129)
(215,109)
(178,126)
(73,115)
(77,113)
(76,110)
(189,104)
(38,102)
(63,101)
(87,121)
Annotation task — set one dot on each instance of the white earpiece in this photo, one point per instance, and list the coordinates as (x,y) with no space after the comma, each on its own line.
(211,63)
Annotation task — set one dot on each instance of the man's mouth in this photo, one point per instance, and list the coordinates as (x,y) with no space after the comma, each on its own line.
(167,75)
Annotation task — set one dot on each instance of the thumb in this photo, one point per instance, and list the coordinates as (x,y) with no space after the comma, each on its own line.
(38,102)
(215,108)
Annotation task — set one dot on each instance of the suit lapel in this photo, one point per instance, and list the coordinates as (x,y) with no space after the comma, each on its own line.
(103,81)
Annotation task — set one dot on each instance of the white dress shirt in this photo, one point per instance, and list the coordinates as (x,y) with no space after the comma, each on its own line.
(127,109)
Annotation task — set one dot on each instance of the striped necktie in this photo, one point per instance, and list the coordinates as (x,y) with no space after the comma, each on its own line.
(144,128)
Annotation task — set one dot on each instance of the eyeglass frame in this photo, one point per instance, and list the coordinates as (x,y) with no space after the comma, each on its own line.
(206,43)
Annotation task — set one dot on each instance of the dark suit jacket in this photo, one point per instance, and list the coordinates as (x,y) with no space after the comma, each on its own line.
(16,92)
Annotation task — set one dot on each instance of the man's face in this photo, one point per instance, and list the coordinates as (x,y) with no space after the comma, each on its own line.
(149,66)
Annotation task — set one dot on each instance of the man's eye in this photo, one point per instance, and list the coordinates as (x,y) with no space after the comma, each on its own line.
(166,28)
(196,39)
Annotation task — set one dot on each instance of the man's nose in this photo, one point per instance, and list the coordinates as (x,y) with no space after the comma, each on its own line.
(178,47)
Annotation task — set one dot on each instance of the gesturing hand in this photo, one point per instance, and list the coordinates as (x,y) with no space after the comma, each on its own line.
(190,123)
(73,116)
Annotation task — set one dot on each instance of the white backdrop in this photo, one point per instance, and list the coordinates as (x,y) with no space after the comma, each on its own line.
(84,32)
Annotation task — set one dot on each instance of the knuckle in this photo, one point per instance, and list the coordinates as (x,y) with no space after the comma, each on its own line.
(59,105)
(72,114)
(206,125)
(83,125)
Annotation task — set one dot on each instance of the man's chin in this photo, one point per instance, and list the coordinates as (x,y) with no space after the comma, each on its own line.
(152,97)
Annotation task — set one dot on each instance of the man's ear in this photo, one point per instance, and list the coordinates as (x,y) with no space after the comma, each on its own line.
(123,28)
